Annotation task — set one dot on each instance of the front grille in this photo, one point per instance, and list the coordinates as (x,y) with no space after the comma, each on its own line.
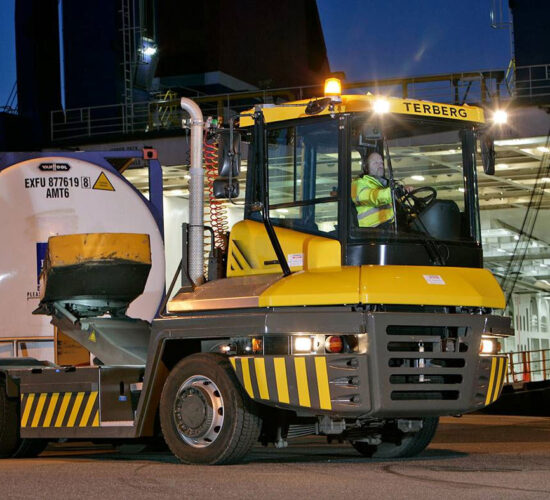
(424,357)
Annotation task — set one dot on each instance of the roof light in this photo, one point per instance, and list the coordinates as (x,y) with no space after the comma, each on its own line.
(333,87)
(500,117)
(381,106)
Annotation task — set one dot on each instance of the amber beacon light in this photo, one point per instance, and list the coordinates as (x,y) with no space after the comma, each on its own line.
(333,87)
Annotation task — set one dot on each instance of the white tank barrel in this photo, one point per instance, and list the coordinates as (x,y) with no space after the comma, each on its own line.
(56,195)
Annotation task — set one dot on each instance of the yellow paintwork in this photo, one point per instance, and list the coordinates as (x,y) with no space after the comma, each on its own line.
(251,252)
(321,280)
(364,103)
(410,285)
(404,285)
(77,248)
(331,286)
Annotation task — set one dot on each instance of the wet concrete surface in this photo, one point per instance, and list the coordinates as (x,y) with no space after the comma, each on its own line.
(476,456)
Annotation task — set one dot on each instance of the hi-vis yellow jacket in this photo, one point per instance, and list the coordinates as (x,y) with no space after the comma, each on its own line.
(372,201)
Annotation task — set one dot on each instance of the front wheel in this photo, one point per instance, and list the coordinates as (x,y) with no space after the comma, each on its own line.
(205,415)
(409,445)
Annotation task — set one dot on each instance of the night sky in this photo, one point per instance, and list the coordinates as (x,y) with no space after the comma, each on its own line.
(370,39)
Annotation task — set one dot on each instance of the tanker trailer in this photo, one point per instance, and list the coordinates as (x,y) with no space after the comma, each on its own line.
(47,194)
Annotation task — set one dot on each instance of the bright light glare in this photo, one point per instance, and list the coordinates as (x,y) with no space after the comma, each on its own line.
(543,149)
(150,51)
(333,87)
(461,190)
(501,166)
(303,344)
(381,106)
(417,177)
(500,117)
(487,346)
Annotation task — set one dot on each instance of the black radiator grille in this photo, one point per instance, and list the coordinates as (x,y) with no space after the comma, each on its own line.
(426,362)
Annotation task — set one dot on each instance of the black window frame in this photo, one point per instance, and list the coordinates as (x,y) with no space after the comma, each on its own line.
(253,187)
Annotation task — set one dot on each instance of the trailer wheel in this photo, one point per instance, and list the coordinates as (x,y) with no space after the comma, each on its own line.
(412,443)
(11,444)
(205,415)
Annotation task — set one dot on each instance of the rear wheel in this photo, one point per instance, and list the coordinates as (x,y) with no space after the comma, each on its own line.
(11,444)
(205,415)
(410,444)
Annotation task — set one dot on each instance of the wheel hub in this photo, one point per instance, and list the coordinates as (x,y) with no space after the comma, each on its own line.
(198,411)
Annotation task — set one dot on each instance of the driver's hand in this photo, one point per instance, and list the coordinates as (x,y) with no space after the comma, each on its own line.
(408,189)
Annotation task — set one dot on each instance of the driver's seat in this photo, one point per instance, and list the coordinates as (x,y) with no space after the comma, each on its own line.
(441,219)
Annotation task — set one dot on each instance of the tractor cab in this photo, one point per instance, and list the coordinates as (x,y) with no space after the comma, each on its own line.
(307,159)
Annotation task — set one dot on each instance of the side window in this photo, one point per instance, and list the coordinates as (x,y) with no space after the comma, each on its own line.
(303,176)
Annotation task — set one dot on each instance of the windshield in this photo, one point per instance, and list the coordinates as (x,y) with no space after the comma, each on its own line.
(429,199)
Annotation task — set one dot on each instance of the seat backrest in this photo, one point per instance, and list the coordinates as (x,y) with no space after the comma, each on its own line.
(441,219)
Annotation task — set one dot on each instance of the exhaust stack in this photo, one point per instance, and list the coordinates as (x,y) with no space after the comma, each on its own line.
(196,194)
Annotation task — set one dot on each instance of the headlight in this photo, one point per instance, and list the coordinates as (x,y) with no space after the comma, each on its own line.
(303,344)
(489,346)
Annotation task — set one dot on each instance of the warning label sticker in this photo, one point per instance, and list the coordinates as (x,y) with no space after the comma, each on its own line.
(295,259)
(103,184)
(433,279)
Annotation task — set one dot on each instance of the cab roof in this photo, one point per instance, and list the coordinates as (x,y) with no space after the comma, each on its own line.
(364,103)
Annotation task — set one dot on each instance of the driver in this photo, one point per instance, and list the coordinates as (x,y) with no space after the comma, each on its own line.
(371,195)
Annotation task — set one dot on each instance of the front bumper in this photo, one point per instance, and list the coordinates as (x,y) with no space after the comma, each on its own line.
(415,364)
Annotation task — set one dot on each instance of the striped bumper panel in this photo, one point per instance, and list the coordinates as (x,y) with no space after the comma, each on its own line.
(295,381)
(496,379)
(60,409)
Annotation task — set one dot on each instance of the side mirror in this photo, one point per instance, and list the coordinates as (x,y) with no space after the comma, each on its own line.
(488,154)
(223,189)
(229,155)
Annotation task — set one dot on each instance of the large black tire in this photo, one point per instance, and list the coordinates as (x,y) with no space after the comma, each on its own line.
(411,445)
(11,444)
(205,415)
(9,424)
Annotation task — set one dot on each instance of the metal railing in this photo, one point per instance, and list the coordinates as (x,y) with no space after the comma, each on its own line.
(528,366)
(532,82)
(480,87)
(24,346)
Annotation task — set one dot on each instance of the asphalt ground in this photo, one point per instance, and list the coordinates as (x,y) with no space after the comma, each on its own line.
(476,456)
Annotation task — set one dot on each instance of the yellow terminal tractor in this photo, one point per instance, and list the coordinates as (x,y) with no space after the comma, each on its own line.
(311,321)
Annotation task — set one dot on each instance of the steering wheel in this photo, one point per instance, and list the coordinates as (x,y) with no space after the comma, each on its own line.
(413,202)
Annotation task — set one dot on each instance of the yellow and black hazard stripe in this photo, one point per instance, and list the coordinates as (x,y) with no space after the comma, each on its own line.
(60,409)
(238,259)
(496,379)
(296,381)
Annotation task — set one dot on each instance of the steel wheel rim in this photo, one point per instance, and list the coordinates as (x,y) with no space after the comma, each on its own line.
(198,411)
